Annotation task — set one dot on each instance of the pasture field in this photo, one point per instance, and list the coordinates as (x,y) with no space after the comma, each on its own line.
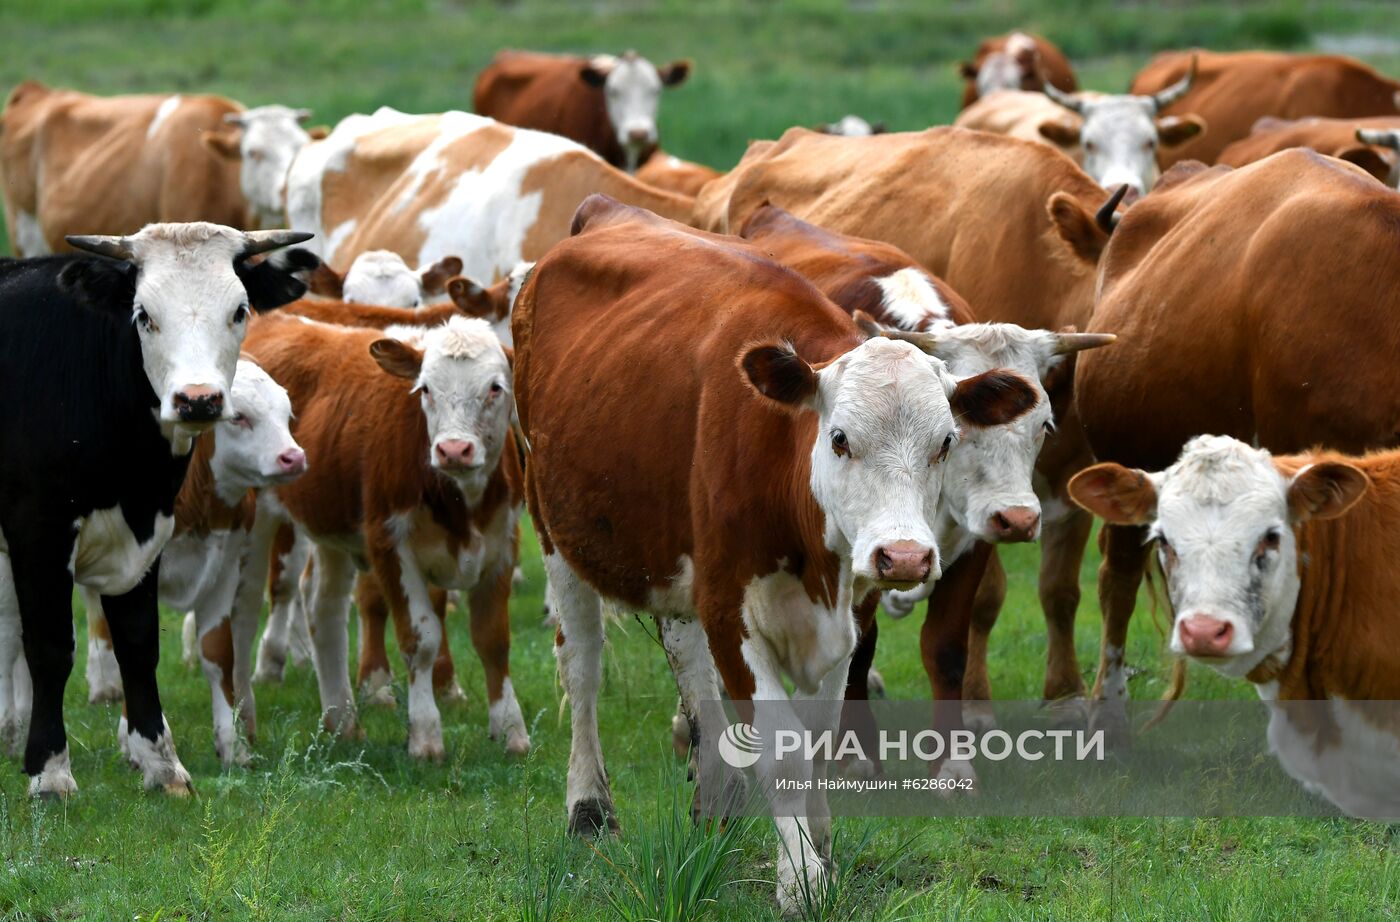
(317,829)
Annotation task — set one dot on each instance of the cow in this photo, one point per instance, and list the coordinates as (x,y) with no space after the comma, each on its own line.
(990,496)
(264,144)
(1234,90)
(966,206)
(1370,143)
(383,278)
(1204,251)
(415,479)
(673,174)
(606,102)
(426,186)
(203,562)
(1280,572)
(1015,61)
(135,354)
(742,522)
(1026,114)
(852,126)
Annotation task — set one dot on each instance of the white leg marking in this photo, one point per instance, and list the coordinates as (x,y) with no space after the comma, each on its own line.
(56,780)
(424,721)
(156,759)
(329,610)
(15,691)
(104,676)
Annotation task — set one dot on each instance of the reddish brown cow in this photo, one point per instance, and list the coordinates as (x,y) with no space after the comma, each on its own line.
(1234,344)
(676,175)
(606,103)
(1015,61)
(418,480)
(1367,142)
(722,497)
(1011,226)
(1233,91)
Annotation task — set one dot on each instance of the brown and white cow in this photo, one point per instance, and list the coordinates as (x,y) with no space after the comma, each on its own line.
(852,126)
(1280,571)
(1012,226)
(606,102)
(383,278)
(202,565)
(1015,61)
(416,479)
(1250,349)
(761,466)
(1232,91)
(426,186)
(1370,143)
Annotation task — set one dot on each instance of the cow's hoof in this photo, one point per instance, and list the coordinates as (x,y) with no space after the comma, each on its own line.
(860,769)
(1069,713)
(451,694)
(1111,718)
(426,745)
(268,674)
(55,782)
(680,736)
(342,725)
(957,778)
(381,696)
(979,716)
(179,789)
(591,818)
(517,743)
(105,693)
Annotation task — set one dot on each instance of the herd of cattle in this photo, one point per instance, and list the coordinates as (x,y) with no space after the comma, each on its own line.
(752,404)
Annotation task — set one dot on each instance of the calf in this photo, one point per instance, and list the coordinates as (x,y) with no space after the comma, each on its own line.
(1280,571)
(134,356)
(606,103)
(738,493)
(416,480)
(264,143)
(203,562)
(382,277)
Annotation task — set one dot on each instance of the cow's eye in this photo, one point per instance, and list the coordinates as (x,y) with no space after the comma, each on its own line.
(839,443)
(1269,542)
(241,314)
(144,319)
(943,451)
(496,388)
(426,392)
(1090,146)
(241,421)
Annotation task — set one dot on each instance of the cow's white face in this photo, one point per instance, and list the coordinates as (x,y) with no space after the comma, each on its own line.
(632,91)
(1223,520)
(1014,68)
(463,379)
(254,447)
(383,278)
(1120,137)
(271,138)
(886,428)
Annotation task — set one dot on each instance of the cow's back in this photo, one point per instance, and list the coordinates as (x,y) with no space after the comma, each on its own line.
(1233,91)
(1330,136)
(1254,303)
(546,92)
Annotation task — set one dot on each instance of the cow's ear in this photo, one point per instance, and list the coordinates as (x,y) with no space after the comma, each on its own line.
(1369,159)
(326,282)
(674,74)
(1116,494)
(1177,129)
(879,128)
(471,298)
(100,282)
(319,132)
(592,75)
(1325,490)
(992,398)
(1077,227)
(1059,131)
(779,374)
(397,358)
(275,281)
(967,70)
(435,278)
(224,143)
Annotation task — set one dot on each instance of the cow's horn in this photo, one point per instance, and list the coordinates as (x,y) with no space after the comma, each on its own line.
(1107,216)
(1068,100)
(233,118)
(926,342)
(302,115)
(1177,90)
(260,241)
(115,247)
(1378,137)
(1065,343)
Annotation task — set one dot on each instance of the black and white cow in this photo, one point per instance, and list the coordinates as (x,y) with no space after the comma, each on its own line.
(109,368)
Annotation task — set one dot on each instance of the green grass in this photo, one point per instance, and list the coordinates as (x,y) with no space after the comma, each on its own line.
(335,830)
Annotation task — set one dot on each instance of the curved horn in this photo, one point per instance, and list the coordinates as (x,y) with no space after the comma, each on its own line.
(1068,100)
(1379,137)
(1107,216)
(260,241)
(1065,343)
(925,342)
(114,247)
(1171,94)
(233,118)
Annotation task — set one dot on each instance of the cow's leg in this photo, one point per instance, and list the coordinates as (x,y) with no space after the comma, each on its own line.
(216,659)
(445,684)
(578,648)
(219,636)
(856,716)
(1062,546)
(189,639)
(253,565)
(1124,560)
(419,634)
(373,675)
(14,676)
(943,643)
(44,592)
(288,556)
(334,578)
(688,651)
(978,712)
(135,624)
(104,678)
(822,712)
(489,602)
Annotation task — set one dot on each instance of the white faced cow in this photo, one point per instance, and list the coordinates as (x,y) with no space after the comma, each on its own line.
(266,147)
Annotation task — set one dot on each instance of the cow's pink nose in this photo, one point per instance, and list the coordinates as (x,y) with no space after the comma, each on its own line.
(1203,635)
(455,453)
(903,562)
(1015,523)
(292,461)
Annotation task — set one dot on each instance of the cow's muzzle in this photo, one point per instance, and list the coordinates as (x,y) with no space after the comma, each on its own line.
(198,403)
